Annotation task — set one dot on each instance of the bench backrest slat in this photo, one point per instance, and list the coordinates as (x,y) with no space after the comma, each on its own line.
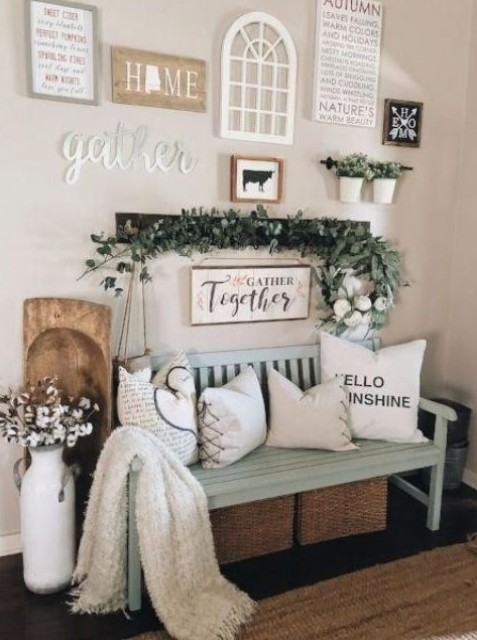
(300,364)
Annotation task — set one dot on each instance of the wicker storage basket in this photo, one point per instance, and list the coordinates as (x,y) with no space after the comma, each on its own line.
(253,529)
(344,510)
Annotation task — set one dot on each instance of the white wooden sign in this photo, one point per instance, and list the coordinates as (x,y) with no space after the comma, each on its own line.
(62,43)
(249,294)
(348,50)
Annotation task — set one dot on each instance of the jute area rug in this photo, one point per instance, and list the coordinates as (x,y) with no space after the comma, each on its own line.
(431,596)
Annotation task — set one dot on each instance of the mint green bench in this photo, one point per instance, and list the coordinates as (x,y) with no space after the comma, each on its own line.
(269,472)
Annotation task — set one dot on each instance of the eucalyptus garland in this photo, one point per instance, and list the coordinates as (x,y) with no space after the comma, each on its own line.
(358,273)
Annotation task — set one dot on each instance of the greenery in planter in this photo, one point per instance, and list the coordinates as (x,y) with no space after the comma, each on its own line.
(354,165)
(390,170)
(343,247)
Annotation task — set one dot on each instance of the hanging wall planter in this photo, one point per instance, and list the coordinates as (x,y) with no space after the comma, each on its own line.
(383,190)
(350,189)
(385,176)
(352,170)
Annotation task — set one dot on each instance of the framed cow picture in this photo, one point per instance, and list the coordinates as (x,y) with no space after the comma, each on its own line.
(256,179)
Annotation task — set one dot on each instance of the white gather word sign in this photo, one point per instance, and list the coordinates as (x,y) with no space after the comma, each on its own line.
(249,294)
(125,149)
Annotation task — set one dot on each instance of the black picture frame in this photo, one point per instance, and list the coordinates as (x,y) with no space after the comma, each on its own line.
(402,122)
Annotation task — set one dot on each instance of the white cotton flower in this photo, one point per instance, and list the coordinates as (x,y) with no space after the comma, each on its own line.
(71,440)
(49,438)
(362,303)
(84,403)
(341,308)
(33,439)
(41,422)
(89,428)
(382,304)
(354,320)
(352,285)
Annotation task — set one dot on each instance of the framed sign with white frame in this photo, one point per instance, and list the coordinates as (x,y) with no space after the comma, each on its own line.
(62,47)
(256,179)
(225,295)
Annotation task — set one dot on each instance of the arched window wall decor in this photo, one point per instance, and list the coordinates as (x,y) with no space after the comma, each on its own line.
(258,80)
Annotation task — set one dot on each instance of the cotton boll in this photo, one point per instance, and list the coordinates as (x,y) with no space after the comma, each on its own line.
(341,308)
(354,320)
(362,303)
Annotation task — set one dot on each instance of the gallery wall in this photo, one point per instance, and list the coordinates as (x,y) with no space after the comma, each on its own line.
(46,222)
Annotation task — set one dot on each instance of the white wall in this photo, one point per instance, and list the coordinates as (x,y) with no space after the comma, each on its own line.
(461,356)
(46,223)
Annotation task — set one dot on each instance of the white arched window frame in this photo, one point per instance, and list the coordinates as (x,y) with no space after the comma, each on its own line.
(259,66)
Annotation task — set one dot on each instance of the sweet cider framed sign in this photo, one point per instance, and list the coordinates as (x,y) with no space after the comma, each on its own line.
(62,46)
(224,295)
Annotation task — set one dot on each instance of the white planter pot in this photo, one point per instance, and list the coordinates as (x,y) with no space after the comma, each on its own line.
(350,189)
(47,509)
(383,190)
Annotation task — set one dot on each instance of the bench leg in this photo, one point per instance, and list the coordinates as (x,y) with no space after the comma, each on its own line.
(134,582)
(435,497)
(437,478)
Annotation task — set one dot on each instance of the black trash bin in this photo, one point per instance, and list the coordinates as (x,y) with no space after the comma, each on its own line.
(457,442)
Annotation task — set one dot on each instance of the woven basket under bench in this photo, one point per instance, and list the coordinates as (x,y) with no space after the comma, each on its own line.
(266,526)
(253,529)
(343,510)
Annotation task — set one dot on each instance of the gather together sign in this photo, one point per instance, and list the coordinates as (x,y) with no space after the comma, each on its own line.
(249,294)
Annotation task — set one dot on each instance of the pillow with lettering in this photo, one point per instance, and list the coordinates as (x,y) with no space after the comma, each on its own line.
(167,406)
(312,419)
(383,386)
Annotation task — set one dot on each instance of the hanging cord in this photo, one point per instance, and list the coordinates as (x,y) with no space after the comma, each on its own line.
(147,351)
(123,339)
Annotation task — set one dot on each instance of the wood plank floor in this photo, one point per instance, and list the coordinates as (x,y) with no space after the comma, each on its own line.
(25,616)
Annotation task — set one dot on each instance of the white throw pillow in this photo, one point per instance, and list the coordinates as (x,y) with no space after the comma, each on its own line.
(312,419)
(167,406)
(232,420)
(383,386)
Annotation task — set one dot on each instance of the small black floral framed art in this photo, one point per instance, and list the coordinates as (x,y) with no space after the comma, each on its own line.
(402,122)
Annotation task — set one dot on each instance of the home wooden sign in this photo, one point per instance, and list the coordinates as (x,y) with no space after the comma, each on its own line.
(249,294)
(158,80)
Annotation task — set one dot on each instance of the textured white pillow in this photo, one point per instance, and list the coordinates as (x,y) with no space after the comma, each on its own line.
(167,406)
(140,367)
(383,386)
(312,419)
(232,420)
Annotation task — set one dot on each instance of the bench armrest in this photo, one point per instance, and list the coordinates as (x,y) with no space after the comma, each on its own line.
(443,414)
(438,409)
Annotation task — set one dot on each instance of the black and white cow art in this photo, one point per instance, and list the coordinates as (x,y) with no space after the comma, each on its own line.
(251,176)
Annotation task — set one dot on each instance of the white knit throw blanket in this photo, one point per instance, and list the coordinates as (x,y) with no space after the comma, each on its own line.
(190,596)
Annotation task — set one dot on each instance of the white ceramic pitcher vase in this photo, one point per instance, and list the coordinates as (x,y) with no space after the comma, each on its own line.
(47,510)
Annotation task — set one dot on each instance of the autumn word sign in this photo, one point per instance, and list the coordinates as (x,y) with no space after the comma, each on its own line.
(157,80)
(249,294)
